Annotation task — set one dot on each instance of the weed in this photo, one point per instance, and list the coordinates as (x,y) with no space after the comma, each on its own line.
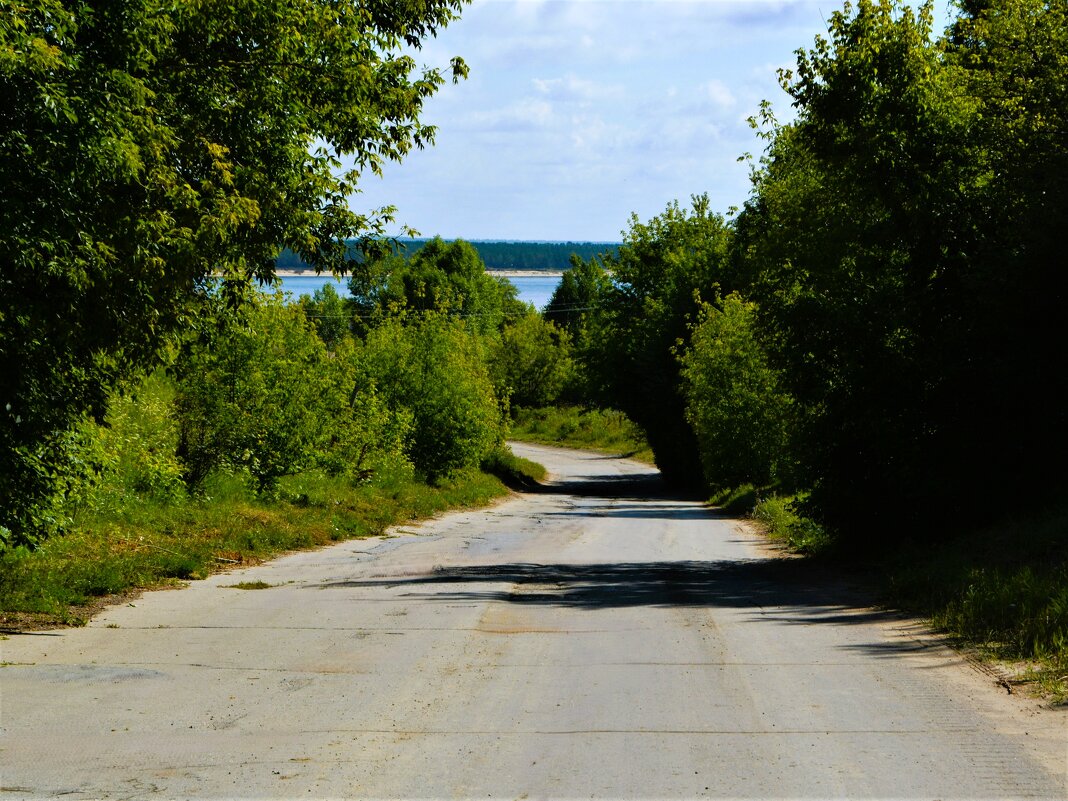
(1004,587)
(248,585)
(780,519)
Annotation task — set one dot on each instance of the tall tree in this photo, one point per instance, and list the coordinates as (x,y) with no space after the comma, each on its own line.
(1013,57)
(900,245)
(147,145)
(658,277)
(578,294)
(853,240)
(734,400)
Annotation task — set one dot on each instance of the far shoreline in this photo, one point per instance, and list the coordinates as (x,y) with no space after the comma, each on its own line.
(499,273)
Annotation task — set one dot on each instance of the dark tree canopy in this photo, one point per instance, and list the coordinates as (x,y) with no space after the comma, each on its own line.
(146,146)
(658,277)
(578,295)
(903,248)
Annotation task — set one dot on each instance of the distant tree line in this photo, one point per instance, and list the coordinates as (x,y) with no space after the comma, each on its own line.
(496,255)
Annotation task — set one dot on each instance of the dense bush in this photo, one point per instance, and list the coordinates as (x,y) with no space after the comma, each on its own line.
(251,393)
(361,436)
(140,440)
(734,400)
(530,361)
(433,367)
(329,313)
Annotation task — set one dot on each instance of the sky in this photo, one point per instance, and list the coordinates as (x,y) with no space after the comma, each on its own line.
(579,113)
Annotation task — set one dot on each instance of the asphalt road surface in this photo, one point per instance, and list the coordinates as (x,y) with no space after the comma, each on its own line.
(600,639)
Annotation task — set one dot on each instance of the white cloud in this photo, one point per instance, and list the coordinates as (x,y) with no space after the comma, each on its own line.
(720,94)
(579,112)
(523,115)
(571,89)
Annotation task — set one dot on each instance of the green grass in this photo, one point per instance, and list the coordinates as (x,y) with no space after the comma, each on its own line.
(781,520)
(248,585)
(602,430)
(515,471)
(150,545)
(1002,590)
(736,500)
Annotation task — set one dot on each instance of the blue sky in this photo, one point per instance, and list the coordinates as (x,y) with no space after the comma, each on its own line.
(579,113)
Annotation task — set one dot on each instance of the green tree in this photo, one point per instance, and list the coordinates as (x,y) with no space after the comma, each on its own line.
(531,361)
(901,245)
(734,399)
(146,146)
(361,434)
(433,368)
(663,268)
(251,394)
(445,277)
(578,295)
(1007,342)
(853,247)
(329,314)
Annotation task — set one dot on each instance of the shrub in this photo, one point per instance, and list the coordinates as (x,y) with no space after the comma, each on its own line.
(433,368)
(250,393)
(531,361)
(734,401)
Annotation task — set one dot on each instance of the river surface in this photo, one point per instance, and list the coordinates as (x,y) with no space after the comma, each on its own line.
(536,289)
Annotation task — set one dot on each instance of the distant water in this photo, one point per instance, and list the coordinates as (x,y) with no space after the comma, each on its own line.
(536,289)
(297,285)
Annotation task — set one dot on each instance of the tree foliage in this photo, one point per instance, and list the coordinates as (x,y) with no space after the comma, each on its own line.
(433,368)
(734,401)
(530,361)
(147,145)
(851,246)
(663,268)
(899,248)
(885,318)
(444,277)
(578,295)
(329,313)
(251,393)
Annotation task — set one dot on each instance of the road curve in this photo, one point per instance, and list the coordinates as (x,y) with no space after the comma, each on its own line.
(599,639)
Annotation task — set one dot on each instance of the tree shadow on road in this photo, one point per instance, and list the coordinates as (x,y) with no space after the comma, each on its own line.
(784,590)
(613,485)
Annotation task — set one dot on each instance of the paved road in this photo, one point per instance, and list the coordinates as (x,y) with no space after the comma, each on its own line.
(599,640)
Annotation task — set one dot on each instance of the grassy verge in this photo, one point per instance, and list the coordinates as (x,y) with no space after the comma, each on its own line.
(149,545)
(781,520)
(515,471)
(603,430)
(1000,592)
